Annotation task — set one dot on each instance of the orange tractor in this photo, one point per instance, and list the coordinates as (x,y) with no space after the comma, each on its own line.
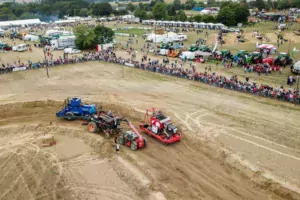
(173,52)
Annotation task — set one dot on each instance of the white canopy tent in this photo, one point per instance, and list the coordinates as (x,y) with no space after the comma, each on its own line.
(20,22)
(179,23)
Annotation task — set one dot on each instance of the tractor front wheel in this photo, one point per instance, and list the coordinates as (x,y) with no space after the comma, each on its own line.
(69,116)
(133,146)
(92,127)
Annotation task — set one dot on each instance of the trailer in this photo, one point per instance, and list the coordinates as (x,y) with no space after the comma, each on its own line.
(63,42)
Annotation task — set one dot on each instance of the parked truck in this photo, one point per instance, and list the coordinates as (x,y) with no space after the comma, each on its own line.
(63,42)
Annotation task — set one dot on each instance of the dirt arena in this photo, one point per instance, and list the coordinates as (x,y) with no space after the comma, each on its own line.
(234,146)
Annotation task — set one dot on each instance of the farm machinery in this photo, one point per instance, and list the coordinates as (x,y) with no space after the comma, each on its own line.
(224,53)
(72,109)
(173,52)
(283,59)
(160,127)
(195,47)
(5,47)
(132,139)
(110,125)
(105,122)
(255,57)
(240,55)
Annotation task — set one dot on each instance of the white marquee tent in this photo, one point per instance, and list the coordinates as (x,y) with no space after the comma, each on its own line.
(20,22)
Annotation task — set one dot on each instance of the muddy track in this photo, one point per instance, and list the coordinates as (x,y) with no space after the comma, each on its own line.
(191,169)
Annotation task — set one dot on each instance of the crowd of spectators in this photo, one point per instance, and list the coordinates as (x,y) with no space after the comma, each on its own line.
(171,69)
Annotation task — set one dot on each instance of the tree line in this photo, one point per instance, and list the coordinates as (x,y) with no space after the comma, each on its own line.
(231,13)
(55,9)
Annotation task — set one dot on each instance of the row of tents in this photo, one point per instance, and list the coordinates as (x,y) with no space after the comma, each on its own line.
(183,24)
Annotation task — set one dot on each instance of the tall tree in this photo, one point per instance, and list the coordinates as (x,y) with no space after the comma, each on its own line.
(131,7)
(85,37)
(171,10)
(102,9)
(182,16)
(260,4)
(177,4)
(103,35)
(159,11)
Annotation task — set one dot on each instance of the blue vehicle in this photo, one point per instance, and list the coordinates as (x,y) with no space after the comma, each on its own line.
(74,109)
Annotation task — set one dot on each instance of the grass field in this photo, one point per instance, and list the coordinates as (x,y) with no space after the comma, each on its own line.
(133,31)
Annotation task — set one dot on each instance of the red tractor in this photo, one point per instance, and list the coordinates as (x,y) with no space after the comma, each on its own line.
(132,139)
(160,127)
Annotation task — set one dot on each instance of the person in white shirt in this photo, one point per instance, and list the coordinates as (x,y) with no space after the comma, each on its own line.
(117,148)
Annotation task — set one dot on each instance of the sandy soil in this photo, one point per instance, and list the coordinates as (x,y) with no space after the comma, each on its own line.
(234,146)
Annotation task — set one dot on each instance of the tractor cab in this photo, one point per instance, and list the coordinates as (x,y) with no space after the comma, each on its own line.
(283,59)
(256,57)
(241,53)
(130,135)
(193,48)
(283,55)
(226,53)
(204,48)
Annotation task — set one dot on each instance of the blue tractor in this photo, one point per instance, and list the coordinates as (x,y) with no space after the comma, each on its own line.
(73,109)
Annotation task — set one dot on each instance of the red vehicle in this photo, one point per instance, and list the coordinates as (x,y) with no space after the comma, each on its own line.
(160,127)
(132,139)
(261,68)
(269,60)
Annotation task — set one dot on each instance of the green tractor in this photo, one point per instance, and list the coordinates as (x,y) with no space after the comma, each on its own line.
(44,40)
(193,48)
(283,59)
(255,57)
(165,45)
(226,53)
(204,48)
(5,47)
(241,54)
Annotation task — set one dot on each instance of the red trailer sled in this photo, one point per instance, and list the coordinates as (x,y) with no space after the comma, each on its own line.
(160,127)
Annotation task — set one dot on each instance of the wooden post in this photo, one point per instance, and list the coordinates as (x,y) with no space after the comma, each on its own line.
(47,70)
(123,73)
(289,47)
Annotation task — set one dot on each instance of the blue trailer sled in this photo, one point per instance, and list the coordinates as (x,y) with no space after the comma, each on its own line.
(73,109)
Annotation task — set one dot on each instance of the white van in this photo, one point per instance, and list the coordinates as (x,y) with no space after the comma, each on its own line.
(20,47)
(189,55)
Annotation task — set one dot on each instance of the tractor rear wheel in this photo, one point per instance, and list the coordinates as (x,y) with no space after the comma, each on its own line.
(145,142)
(69,116)
(107,133)
(92,127)
(133,146)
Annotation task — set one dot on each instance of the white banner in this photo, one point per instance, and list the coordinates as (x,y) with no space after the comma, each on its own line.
(19,69)
(129,64)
